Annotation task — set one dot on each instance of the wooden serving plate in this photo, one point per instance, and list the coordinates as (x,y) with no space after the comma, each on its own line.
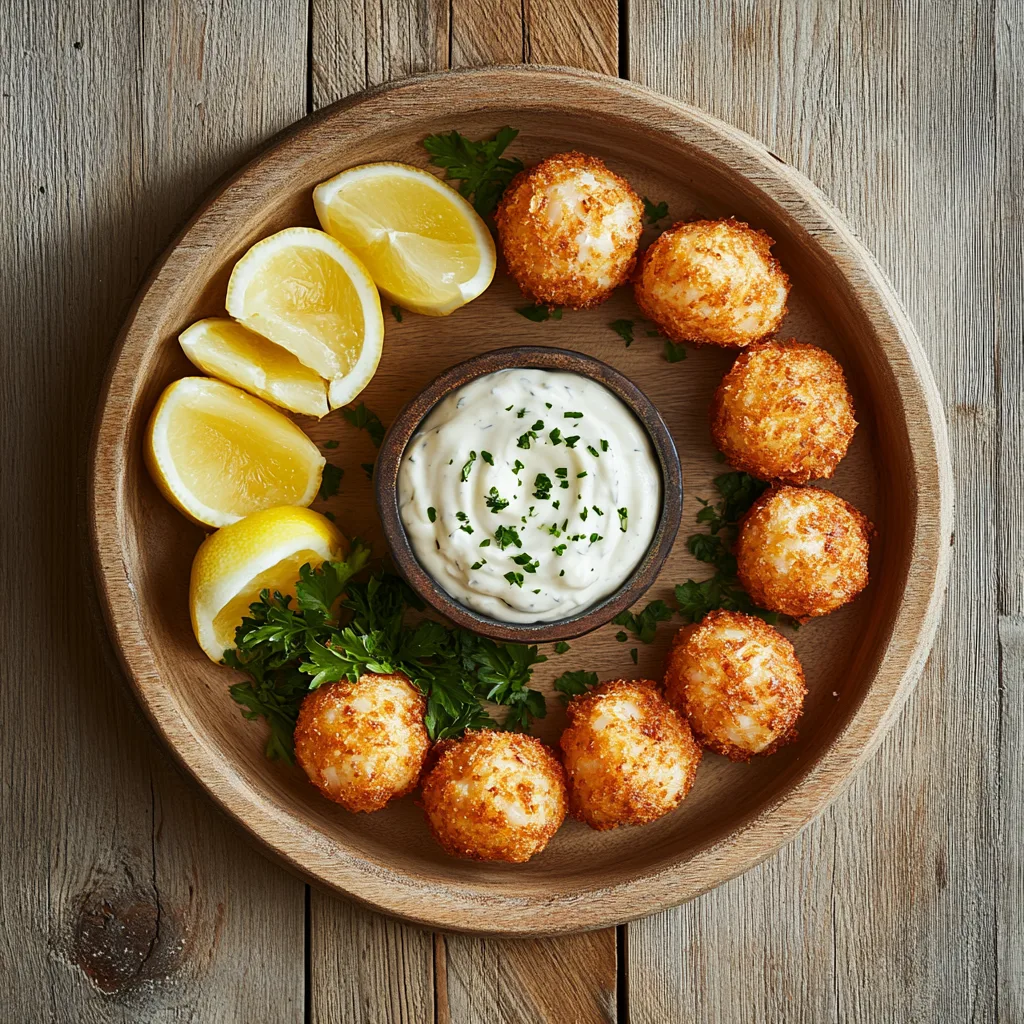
(860,662)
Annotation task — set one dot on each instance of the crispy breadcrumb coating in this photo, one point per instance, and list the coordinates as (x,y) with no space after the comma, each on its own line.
(630,757)
(494,796)
(712,282)
(364,743)
(783,412)
(802,551)
(739,683)
(569,228)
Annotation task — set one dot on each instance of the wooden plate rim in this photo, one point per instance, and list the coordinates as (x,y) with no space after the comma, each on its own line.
(478,907)
(407,422)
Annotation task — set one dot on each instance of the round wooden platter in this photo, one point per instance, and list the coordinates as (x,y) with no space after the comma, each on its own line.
(860,662)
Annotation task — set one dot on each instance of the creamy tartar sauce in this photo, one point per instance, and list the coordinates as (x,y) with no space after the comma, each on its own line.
(529,495)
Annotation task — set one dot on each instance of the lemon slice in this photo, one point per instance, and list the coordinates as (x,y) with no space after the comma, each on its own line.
(218,454)
(426,247)
(304,290)
(264,551)
(227,349)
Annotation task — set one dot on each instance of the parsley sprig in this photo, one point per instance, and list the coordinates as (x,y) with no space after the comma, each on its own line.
(480,168)
(339,629)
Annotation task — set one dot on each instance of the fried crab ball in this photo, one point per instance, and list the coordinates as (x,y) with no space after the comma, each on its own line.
(494,796)
(363,743)
(712,282)
(569,228)
(783,412)
(630,756)
(739,683)
(802,551)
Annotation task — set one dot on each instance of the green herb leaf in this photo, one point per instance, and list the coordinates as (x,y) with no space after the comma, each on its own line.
(396,312)
(538,314)
(361,417)
(645,625)
(654,211)
(480,168)
(468,466)
(432,514)
(674,352)
(624,329)
(561,647)
(572,684)
(330,481)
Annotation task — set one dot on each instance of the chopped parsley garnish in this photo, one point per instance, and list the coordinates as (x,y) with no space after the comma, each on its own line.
(515,579)
(604,445)
(330,481)
(560,549)
(468,466)
(464,519)
(477,565)
(520,414)
(480,168)
(507,536)
(486,543)
(528,562)
(539,425)
(674,352)
(543,486)
(517,467)
(562,472)
(722,590)
(593,451)
(584,514)
(432,514)
(570,442)
(331,516)
(654,211)
(330,444)
(633,654)
(572,415)
(623,518)
(624,329)
(367,468)
(508,408)
(555,437)
(595,537)
(538,314)
(396,312)
(561,647)
(580,476)
(597,510)
(361,417)
(494,501)
(645,625)
(572,684)
(524,439)
(556,504)
(338,629)
(621,636)
(487,457)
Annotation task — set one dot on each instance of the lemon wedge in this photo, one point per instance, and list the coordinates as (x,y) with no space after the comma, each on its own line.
(264,551)
(425,246)
(304,290)
(218,454)
(230,351)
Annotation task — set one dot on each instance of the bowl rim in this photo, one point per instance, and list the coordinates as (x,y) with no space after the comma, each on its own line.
(528,357)
(476,905)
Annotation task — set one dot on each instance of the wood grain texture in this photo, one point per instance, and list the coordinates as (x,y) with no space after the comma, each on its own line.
(879,106)
(125,896)
(1008,291)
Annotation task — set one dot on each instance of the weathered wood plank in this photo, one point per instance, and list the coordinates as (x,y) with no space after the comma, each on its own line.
(893,921)
(125,895)
(1009,327)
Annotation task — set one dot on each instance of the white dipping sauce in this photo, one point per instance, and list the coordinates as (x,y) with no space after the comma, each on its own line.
(521,508)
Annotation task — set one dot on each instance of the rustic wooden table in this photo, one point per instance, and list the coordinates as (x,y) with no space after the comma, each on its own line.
(126,896)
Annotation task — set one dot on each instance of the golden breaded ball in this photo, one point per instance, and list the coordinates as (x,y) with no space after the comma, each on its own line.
(363,743)
(783,412)
(712,282)
(494,796)
(569,228)
(802,551)
(739,683)
(630,757)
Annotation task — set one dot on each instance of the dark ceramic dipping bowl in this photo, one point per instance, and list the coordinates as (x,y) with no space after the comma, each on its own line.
(528,357)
